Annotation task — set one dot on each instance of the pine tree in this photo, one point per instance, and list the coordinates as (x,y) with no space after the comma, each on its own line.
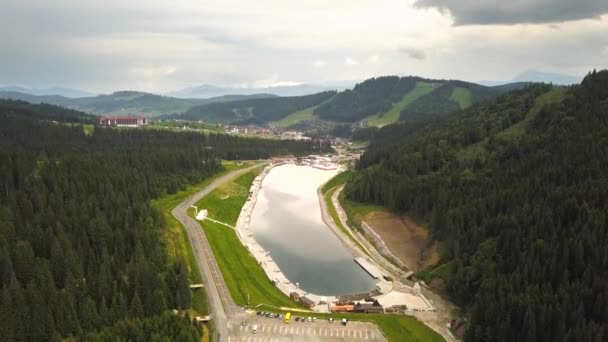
(136,309)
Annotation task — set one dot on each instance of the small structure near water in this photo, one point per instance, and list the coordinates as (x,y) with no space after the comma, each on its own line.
(307,302)
(369,267)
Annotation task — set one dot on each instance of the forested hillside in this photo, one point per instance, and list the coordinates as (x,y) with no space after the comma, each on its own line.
(45,111)
(120,102)
(377,96)
(366,98)
(515,189)
(448,97)
(80,243)
(254,111)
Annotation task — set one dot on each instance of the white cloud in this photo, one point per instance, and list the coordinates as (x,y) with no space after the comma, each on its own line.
(119,44)
(319,63)
(374,59)
(271,81)
(413,52)
(350,61)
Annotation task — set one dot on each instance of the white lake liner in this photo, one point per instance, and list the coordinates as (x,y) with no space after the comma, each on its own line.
(286,222)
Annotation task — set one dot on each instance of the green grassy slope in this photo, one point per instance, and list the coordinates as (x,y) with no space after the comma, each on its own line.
(293,118)
(244,276)
(176,240)
(518,129)
(224,203)
(381,119)
(242,273)
(462,96)
(553,96)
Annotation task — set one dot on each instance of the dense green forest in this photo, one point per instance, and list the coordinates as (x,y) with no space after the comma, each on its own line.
(379,95)
(370,97)
(45,111)
(367,98)
(515,190)
(255,111)
(450,96)
(80,243)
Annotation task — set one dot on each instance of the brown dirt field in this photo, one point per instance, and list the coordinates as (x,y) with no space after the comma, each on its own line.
(405,239)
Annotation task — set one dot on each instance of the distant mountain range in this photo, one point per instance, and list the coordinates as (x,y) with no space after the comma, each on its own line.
(538,76)
(207,90)
(376,101)
(126,102)
(60,91)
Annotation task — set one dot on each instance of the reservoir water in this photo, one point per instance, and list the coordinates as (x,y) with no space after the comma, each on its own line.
(286,221)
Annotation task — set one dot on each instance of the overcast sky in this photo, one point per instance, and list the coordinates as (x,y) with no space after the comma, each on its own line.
(159,45)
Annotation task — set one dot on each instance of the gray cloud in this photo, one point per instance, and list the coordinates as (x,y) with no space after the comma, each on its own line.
(484,12)
(119,44)
(413,53)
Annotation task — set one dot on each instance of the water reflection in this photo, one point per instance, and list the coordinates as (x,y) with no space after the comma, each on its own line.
(287,222)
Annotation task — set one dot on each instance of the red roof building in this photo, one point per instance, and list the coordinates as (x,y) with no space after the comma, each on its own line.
(126,120)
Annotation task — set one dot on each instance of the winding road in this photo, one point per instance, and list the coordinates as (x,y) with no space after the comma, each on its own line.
(220,299)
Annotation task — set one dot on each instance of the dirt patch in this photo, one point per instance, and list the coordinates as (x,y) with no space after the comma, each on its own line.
(405,239)
(438,285)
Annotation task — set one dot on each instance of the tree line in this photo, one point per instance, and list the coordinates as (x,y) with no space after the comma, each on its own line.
(81,249)
(253,111)
(366,98)
(514,189)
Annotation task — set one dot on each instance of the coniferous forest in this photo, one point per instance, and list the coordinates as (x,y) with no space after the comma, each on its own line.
(81,253)
(515,191)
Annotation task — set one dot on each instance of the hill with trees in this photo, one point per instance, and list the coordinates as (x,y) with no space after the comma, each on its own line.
(514,190)
(366,98)
(120,102)
(81,249)
(258,111)
(407,96)
(448,97)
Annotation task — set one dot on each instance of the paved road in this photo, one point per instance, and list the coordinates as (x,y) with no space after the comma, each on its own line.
(223,307)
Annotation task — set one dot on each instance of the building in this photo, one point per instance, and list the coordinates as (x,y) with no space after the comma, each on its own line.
(294,296)
(307,302)
(374,307)
(123,121)
(342,308)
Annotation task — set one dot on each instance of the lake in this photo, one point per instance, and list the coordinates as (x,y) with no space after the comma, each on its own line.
(286,221)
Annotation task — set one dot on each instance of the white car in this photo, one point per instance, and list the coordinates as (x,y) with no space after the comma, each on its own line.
(254,330)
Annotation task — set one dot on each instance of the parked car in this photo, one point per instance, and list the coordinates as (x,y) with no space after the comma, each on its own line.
(344,321)
(259,313)
(297,318)
(309,319)
(331,320)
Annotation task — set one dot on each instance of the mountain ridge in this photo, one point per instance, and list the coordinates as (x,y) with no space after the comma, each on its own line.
(125,101)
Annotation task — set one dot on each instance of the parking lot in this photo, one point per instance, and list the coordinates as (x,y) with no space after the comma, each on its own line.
(271,330)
